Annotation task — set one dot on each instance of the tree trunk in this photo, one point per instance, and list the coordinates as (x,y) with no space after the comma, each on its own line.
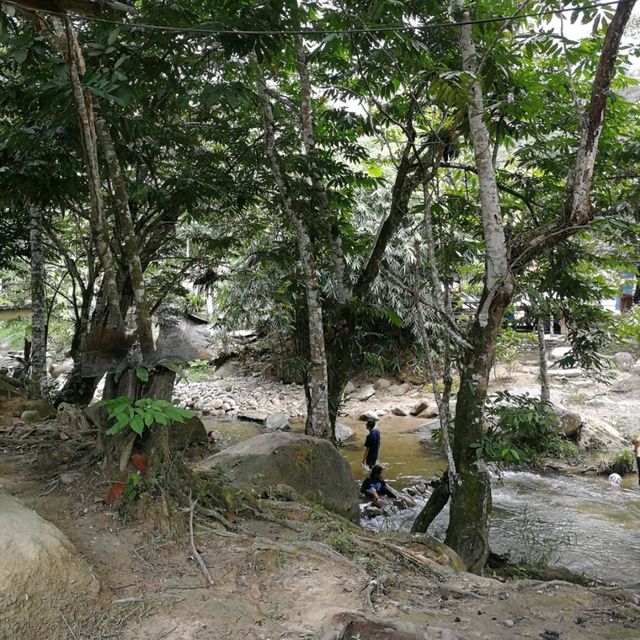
(471,503)
(468,528)
(131,247)
(339,351)
(436,503)
(318,423)
(320,191)
(82,98)
(38,304)
(545,393)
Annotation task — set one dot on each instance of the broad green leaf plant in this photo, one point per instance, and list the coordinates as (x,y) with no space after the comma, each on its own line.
(142,414)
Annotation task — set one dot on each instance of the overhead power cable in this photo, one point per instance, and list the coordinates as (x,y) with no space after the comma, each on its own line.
(205,30)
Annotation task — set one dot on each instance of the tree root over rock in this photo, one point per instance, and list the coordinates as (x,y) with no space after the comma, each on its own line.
(350,624)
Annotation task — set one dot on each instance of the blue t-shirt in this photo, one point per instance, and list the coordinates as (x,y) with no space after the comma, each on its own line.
(372,443)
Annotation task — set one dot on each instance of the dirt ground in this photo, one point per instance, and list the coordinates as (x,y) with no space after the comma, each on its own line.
(283,570)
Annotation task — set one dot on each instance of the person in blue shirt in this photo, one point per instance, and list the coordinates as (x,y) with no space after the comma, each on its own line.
(374,487)
(371,445)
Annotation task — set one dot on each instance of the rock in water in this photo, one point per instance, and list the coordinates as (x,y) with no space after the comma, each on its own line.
(343,432)
(598,435)
(311,466)
(349,388)
(558,353)
(277,422)
(399,389)
(41,575)
(382,383)
(364,393)
(252,416)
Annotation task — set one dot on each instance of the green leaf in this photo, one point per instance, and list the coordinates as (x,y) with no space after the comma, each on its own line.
(142,373)
(160,418)
(113,36)
(20,55)
(137,425)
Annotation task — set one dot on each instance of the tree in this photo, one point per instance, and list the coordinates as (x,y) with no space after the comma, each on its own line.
(505,258)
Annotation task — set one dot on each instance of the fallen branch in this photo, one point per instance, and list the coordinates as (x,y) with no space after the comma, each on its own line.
(196,555)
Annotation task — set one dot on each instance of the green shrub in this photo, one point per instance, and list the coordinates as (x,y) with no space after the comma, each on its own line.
(521,429)
(621,463)
(142,414)
(198,371)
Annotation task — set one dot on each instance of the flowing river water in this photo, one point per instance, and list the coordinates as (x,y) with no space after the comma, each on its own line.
(580,522)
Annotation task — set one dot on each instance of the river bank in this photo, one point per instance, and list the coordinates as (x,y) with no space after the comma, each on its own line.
(293,571)
(290,570)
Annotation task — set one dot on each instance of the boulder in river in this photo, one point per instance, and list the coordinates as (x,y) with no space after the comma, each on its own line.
(598,435)
(277,422)
(382,383)
(41,575)
(399,389)
(349,388)
(363,393)
(252,416)
(343,432)
(565,373)
(311,466)
(184,434)
(557,353)
(368,415)
(399,411)
(425,409)
(570,422)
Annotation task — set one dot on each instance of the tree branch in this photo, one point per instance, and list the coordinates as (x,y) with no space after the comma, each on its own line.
(82,7)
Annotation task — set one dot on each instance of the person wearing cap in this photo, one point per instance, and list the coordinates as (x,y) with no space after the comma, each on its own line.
(371,445)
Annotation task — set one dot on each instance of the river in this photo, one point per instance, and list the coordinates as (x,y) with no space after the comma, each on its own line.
(580,522)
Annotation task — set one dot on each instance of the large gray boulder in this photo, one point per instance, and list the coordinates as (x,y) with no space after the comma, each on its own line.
(598,435)
(41,575)
(399,389)
(570,422)
(277,422)
(183,435)
(363,393)
(343,432)
(313,467)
